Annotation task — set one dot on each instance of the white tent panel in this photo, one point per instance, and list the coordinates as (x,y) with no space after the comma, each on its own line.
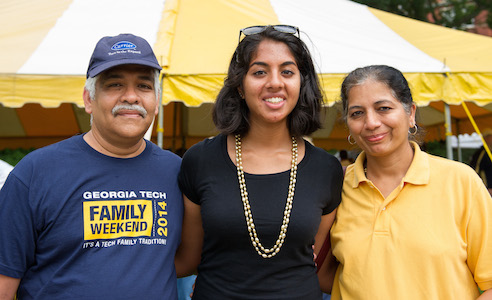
(67,47)
(342,42)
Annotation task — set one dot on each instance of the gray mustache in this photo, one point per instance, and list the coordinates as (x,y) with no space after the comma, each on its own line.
(134,107)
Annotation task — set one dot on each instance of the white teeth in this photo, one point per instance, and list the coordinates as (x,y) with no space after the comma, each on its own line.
(274,100)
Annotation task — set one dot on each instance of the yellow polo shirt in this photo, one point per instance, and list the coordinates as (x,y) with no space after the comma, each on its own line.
(431,238)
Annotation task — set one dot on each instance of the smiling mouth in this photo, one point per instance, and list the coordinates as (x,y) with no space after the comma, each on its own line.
(129,113)
(274,100)
(129,110)
(375,138)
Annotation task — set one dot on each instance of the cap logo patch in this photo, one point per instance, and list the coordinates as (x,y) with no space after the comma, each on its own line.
(123,45)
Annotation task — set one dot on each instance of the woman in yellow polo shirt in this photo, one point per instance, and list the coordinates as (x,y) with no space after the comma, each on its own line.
(410,225)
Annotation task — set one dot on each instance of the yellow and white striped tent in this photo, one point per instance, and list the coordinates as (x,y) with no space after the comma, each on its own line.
(46,46)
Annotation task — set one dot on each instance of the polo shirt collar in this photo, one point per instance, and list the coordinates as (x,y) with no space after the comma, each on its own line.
(417,174)
(359,174)
(419,171)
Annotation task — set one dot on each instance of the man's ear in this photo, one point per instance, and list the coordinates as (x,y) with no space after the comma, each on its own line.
(87,102)
(157,103)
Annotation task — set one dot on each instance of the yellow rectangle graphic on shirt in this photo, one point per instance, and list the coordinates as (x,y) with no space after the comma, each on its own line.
(114,219)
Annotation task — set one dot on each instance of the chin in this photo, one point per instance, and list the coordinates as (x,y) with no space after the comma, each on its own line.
(132,133)
(377,150)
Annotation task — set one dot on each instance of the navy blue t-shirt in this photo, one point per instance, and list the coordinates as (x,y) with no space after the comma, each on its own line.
(77,224)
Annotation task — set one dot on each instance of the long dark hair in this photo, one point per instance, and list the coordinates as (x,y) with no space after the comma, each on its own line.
(230,112)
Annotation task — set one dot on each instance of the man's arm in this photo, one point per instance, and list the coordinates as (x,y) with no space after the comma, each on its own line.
(8,287)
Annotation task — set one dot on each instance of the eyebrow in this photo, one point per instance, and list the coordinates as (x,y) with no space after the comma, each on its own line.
(119,76)
(379,102)
(354,107)
(265,64)
(145,77)
(383,101)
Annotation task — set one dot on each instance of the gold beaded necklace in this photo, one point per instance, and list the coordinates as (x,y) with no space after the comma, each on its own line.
(266,253)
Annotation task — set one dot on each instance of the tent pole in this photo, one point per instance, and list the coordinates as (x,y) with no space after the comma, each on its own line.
(458,133)
(175,112)
(160,118)
(160,121)
(449,133)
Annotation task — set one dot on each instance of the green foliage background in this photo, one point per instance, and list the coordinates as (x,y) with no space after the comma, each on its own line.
(457,14)
(13,156)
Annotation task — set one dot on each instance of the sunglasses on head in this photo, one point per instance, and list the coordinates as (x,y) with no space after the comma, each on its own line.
(259,29)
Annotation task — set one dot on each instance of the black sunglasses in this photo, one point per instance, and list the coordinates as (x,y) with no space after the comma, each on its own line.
(259,29)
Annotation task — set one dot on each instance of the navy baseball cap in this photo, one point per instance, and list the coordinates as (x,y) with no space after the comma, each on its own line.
(123,49)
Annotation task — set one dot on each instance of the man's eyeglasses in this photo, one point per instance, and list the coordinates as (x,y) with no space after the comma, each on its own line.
(259,29)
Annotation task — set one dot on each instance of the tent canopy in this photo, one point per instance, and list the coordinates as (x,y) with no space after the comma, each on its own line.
(47,45)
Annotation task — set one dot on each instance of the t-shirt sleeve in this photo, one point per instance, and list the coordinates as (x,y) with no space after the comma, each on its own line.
(188,174)
(333,180)
(17,229)
(335,191)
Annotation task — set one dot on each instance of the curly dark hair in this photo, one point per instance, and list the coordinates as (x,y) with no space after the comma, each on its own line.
(231,114)
(387,75)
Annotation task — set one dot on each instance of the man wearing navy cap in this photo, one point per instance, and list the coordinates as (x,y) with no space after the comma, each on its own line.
(97,216)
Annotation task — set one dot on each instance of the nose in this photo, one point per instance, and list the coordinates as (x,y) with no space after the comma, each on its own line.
(130,96)
(372,120)
(275,81)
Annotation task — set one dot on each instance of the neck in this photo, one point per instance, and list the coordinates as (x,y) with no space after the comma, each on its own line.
(126,149)
(386,172)
(264,153)
(267,137)
(394,165)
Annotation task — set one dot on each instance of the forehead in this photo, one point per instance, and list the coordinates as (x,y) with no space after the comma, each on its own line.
(271,49)
(122,70)
(371,90)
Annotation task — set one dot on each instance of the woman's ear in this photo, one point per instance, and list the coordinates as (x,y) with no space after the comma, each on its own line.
(413,110)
